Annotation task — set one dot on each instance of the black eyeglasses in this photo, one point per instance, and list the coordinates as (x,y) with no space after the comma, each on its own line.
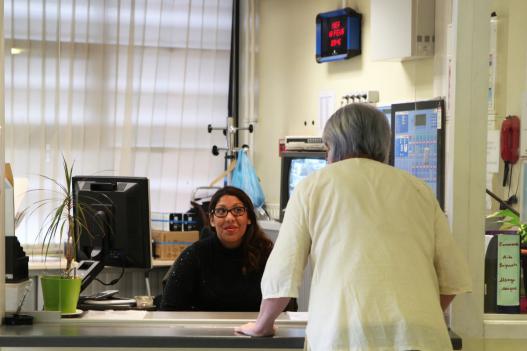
(222,212)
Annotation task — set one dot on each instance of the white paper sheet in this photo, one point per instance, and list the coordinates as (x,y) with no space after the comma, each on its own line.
(326,107)
(111,315)
(493,151)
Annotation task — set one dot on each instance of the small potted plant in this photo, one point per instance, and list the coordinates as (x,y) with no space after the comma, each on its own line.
(61,292)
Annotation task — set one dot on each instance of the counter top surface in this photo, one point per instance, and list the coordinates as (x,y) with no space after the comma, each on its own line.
(158,329)
(152,330)
(126,335)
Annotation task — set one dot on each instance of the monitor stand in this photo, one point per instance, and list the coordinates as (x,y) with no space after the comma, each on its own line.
(87,270)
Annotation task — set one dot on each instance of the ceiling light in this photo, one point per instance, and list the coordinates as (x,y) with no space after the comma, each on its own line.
(16,51)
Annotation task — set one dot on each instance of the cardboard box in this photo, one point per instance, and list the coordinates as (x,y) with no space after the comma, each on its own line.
(168,245)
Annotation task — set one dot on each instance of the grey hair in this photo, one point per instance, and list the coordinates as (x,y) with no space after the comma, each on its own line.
(357,130)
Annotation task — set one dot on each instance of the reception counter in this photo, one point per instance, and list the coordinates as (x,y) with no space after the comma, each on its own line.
(141,329)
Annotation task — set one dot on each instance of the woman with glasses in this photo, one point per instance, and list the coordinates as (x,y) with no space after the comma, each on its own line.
(222,272)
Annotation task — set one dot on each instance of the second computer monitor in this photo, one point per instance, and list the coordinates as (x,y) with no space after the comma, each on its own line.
(117,215)
(296,165)
(418,142)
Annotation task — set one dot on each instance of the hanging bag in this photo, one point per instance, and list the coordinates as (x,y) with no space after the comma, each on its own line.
(244,177)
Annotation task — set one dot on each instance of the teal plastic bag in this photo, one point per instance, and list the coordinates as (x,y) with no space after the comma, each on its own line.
(244,177)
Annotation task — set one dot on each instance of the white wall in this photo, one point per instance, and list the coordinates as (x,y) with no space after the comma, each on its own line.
(510,77)
(515,60)
(290,80)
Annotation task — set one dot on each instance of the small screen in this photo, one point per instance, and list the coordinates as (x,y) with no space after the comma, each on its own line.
(420,120)
(334,41)
(301,168)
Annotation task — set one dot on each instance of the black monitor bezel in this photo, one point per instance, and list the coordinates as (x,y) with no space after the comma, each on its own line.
(144,184)
(426,105)
(286,158)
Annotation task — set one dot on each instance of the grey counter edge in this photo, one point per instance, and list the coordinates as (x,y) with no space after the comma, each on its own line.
(155,342)
(24,337)
(164,341)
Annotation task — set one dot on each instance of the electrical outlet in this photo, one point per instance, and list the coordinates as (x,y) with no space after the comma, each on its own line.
(370,97)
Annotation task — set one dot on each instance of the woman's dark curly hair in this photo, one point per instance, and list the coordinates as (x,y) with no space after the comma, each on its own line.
(256,246)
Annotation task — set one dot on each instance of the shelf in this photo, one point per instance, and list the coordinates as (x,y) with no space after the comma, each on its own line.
(505,317)
(56,264)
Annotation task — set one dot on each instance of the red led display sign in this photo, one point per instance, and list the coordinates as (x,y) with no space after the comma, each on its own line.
(335,35)
(338,35)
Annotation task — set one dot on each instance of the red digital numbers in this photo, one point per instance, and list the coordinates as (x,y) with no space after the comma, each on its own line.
(335,42)
(336,33)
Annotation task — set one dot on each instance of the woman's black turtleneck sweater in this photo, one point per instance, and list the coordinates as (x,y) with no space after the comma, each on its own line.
(208,277)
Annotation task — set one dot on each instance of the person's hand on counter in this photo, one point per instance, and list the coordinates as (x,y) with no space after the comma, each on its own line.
(264,325)
(252,329)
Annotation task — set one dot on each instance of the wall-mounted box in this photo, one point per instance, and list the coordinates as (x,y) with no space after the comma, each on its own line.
(338,35)
(402,29)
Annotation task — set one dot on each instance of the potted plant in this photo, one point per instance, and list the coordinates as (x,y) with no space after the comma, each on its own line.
(61,292)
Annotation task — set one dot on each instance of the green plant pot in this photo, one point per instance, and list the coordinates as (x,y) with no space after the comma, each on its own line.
(60,294)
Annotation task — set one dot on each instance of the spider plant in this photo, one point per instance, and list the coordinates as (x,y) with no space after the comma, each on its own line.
(511,221)
(59,223)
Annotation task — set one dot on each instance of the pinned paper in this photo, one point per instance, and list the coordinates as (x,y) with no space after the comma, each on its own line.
(326,107)
(508,292)
(493,151)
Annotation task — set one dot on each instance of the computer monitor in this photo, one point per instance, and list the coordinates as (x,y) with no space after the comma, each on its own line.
(116,211)
(296,165)
(418,142)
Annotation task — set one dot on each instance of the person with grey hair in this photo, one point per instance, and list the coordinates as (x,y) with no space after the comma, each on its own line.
(357,130)
(385,264)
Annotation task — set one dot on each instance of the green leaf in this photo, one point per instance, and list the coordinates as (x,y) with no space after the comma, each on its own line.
(508,217)
(59,223)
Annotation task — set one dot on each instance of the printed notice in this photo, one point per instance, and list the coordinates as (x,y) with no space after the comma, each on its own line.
(493,151)
(508,270)
(326,107)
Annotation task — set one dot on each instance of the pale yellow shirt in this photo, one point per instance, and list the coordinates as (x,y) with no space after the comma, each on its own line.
(382,253)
